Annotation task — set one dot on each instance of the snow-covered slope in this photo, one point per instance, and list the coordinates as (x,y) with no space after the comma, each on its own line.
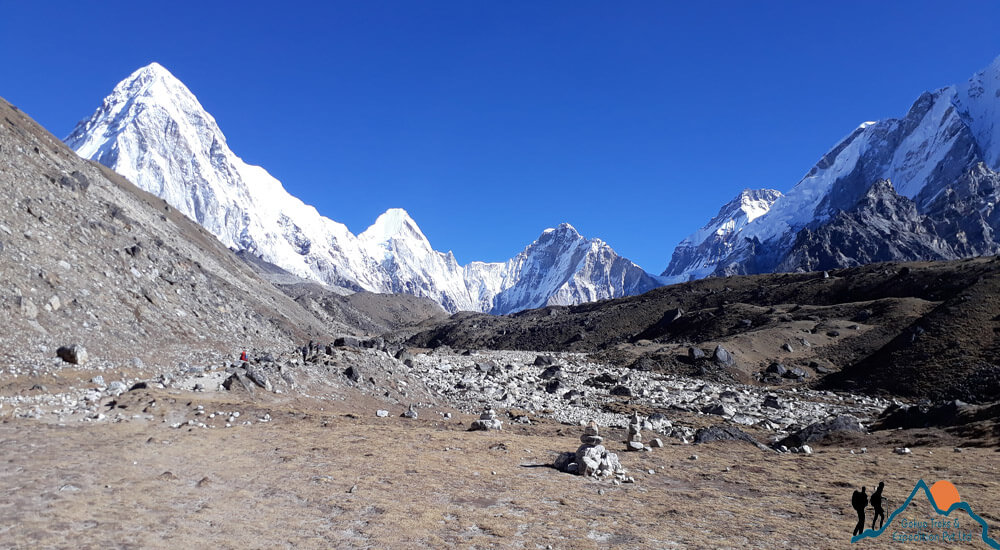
(563,268)
(153,130)
(698,255)
(944,136)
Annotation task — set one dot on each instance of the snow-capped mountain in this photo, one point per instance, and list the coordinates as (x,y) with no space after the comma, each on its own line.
(153,131)
(698,255)
(564,268)
(931,156)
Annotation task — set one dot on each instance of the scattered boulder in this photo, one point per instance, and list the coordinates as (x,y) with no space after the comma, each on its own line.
(551,372)
(695,353)
(382,413)
(722,356)
(347,342)
(795,373)
(721,409)
(621,391)
(821,430)
(543,361)
(75,354)
(950,413)
(602,380)
(644,363)
(410,413)
(373,343)
(257,376)
(353,374)
(724,433)
(787,347)
(771,402)
(75,181)
(777,368)
(554,385)
(238,380)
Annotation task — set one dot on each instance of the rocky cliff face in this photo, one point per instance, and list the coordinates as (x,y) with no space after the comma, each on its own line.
(153,131)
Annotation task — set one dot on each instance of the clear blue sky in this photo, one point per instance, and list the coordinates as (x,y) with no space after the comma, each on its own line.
(490,121)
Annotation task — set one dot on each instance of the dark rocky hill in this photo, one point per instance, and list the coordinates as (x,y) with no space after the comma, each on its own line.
(915,330)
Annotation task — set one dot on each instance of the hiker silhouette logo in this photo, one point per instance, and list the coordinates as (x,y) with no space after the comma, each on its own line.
(913,522)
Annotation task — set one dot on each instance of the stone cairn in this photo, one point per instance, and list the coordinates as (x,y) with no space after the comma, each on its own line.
(591,459)
(487,421)
(634,442)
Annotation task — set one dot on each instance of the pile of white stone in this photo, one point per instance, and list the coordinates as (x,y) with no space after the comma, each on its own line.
(592,459)
(487,421)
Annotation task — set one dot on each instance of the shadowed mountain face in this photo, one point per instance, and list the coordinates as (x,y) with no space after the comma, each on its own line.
(918,330)
(941,159)
(883,226)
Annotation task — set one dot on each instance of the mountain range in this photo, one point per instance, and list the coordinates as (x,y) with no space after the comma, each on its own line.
(920,187)
(155,132)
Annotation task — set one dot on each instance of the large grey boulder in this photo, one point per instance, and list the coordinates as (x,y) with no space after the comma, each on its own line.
(257,376)
(723,357)
(819,431)
(74,353)
(725,433)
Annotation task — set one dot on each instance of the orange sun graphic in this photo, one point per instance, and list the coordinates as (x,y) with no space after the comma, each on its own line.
(945,494)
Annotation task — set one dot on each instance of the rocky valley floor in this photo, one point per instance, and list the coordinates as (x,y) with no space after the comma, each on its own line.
(311,464)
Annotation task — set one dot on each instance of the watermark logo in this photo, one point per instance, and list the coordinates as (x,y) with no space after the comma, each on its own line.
(903,527)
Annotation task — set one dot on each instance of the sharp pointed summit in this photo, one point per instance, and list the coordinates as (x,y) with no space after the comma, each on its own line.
(393,223)
(154,131)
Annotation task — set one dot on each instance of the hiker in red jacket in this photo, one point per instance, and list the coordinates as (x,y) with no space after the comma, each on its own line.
(243,356)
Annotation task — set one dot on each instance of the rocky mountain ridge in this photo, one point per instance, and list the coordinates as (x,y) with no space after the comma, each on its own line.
(941,159)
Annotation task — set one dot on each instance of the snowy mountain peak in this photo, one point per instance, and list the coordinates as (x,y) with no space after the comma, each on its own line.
(563,230)
(393,223)
(753,203)
(150,94)
(697,255)
(155,132)
(943,137)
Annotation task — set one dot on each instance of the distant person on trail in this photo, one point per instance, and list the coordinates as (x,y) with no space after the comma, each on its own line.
(859,500)
(877,505)
(243,356)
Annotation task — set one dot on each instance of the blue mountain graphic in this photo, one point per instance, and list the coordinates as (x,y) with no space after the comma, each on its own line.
(868,533)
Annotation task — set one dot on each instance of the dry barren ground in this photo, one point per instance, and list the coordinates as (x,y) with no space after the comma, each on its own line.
(343,478)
